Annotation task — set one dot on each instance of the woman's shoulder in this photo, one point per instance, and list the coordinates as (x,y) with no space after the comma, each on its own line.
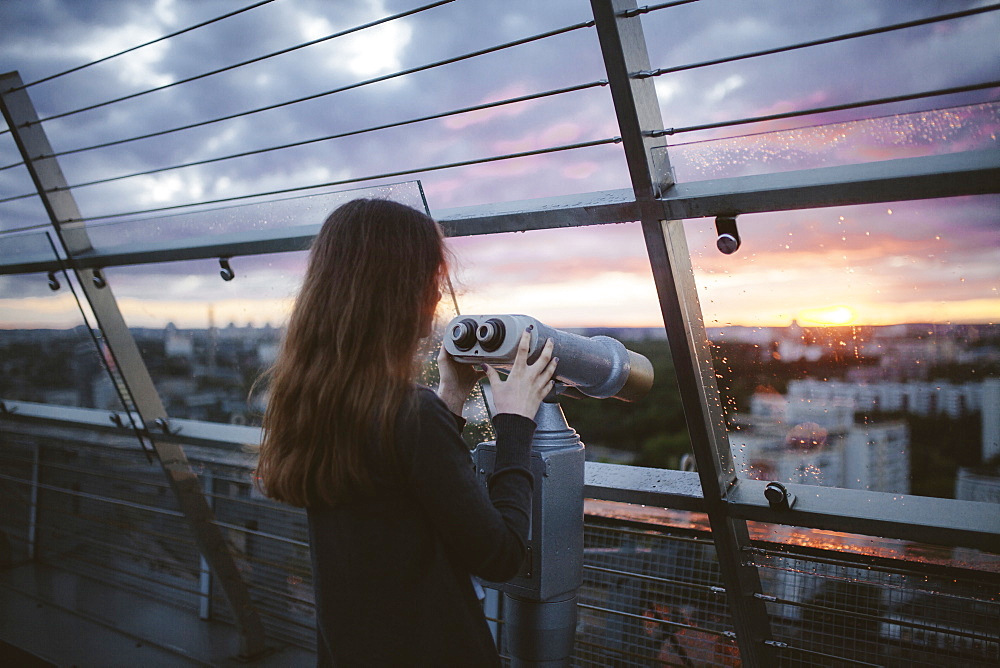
(423,408)
(426,400)
(425,422)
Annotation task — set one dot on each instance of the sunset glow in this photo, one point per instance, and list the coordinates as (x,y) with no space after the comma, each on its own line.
(828,316)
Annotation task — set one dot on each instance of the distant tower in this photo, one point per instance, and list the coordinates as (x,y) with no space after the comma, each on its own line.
(213,339)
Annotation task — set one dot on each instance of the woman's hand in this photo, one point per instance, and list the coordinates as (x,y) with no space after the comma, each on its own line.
(457,381)
(526,384)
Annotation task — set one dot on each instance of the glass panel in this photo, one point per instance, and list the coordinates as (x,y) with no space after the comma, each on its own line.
(966,128)
(206,341)
(590,281)
(859,346)
(281,214)
(27,247)
(916,59)
(47,354)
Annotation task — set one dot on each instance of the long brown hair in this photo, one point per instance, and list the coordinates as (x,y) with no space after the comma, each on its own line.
(346,364)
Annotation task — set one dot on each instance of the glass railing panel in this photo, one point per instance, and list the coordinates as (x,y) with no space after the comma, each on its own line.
(919,59)
(904,135)
(858,346)
(48,351)
(590,281)
(245,219)
(206,341)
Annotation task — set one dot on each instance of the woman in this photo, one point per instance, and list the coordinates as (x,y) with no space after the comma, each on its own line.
(398,520)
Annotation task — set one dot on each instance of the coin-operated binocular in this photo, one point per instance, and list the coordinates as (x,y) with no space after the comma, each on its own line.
(540,602)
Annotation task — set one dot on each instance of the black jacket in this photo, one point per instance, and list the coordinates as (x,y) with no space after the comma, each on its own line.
(392,572)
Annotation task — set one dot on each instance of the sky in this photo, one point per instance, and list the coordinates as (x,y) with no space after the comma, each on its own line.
(930,261)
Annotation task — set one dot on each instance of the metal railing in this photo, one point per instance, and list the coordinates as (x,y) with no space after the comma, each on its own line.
(90,505)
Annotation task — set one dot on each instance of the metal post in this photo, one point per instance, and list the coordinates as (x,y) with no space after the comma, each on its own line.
(624,48)
(540,602)
(491,607)
(33,501)
(62,210)
(205,574)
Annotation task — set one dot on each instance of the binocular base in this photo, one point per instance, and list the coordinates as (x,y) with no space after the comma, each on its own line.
(540,633)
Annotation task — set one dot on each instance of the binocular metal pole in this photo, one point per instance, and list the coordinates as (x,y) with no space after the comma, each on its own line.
(540,602)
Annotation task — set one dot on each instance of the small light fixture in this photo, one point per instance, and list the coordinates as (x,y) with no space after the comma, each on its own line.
(778,497)
(728,240)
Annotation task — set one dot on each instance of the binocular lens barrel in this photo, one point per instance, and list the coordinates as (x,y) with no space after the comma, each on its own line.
(463,334)
(491,334)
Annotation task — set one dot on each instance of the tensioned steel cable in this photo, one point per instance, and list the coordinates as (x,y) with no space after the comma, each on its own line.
(99,523)
(487,105)
(652,8)
(372,177)
(103,566)
(876,563)
(280,52)
(653,578)
(822,110)
(826,40)
(145,44)
(444,114)
(643,74)
(104,527)
(134,48)
(880,618)
(359,84)
(665,622)
(811,126)
(330,92)
(104,499)
(638,75)
(839,660)
(656,133)
(94,474)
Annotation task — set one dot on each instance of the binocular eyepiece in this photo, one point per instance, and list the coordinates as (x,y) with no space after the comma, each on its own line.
(597,366)
(466,333)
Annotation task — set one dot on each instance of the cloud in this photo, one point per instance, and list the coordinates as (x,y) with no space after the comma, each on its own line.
(719,91)
(483,116)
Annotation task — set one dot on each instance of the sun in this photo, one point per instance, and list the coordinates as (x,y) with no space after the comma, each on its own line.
(828,316)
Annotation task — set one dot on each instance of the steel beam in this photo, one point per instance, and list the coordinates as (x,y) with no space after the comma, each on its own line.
(623,46)
(661,488)
(920,519)
(64,215)
(926,177)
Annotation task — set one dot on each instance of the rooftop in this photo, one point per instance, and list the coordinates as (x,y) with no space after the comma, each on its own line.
(154,208)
